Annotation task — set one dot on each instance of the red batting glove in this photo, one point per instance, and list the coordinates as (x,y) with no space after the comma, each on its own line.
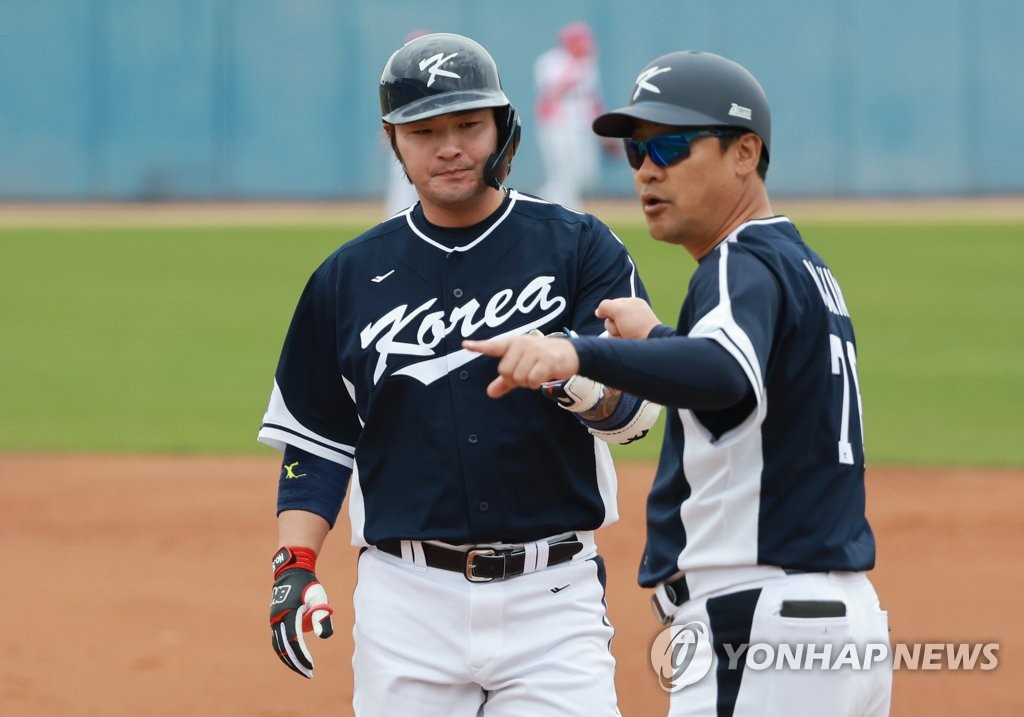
(298,604)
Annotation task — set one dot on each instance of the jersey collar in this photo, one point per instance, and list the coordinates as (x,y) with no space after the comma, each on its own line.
(459,239)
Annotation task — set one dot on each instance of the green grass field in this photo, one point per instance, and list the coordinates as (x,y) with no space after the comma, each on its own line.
(165,339)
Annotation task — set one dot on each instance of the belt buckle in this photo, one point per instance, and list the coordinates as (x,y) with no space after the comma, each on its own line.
(471,556)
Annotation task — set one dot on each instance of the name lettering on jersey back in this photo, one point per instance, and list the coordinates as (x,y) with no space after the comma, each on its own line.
(829,289)
(503,307)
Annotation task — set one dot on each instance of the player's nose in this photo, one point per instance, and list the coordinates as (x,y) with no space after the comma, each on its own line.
(448,144)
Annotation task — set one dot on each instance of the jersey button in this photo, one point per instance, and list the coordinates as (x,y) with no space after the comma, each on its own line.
(457,293)
(463,374)
(472,439)
(484,506)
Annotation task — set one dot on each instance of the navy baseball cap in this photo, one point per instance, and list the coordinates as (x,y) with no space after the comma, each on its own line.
(692,89)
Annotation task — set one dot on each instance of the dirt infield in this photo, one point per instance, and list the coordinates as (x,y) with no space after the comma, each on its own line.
(138,586)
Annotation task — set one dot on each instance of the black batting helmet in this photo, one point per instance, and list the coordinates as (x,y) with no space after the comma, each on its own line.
(441,73)
(693,89)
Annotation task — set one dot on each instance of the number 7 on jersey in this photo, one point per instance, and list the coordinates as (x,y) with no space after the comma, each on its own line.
(844,364)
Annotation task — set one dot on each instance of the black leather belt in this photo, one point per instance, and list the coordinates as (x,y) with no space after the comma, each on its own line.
(483,564)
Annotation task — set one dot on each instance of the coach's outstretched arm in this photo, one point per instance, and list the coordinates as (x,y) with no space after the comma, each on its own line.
(609,414)
(530,361)
(678,371)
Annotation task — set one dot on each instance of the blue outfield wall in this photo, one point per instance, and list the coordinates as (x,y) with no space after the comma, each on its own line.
(256,99)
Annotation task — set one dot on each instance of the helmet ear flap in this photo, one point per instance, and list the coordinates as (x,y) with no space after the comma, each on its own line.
(510,130)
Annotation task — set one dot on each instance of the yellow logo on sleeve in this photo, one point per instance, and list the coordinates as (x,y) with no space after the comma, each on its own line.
(289,471)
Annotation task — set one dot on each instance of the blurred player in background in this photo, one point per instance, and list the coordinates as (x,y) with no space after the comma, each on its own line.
(568,99)
(480,589)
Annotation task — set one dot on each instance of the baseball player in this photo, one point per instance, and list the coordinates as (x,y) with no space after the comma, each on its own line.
(756,532)
(568,99)
(480,589)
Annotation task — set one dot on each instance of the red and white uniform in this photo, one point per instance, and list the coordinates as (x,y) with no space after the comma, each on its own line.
(568,100)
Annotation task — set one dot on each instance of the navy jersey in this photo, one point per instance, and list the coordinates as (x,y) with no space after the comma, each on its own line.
(373,377)
(778,477)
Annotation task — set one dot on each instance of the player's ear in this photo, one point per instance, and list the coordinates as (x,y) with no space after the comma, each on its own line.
(747,150)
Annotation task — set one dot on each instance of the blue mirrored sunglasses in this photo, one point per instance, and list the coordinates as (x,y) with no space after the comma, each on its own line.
(666,149)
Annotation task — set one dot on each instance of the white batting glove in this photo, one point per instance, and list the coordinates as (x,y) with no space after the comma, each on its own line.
(578,394)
